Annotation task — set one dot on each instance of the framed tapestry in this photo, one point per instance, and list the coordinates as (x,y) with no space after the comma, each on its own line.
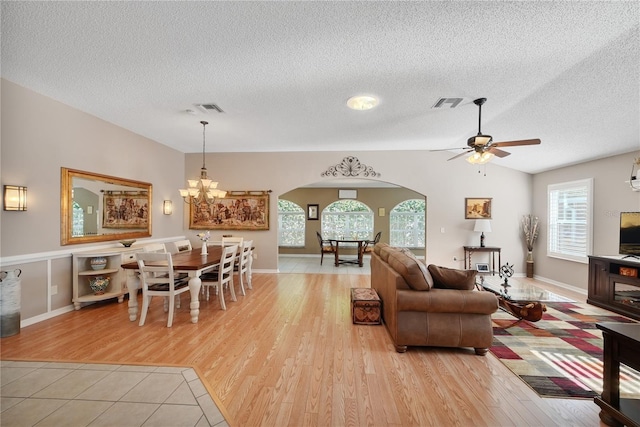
(238,210)
(477,208)
(125,209)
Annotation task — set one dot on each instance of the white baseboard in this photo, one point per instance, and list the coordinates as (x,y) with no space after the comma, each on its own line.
(46,316)
(561,285)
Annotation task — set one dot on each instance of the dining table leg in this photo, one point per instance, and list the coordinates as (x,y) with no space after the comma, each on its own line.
(133,283)
(194,288)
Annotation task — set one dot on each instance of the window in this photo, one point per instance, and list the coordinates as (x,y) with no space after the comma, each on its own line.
(347,220)
(291,224)
(406,224)
(570,220)
(77,228)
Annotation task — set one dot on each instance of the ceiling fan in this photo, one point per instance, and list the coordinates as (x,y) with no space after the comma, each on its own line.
(483,146)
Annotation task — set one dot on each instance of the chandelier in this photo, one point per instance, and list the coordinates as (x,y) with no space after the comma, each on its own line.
(203,189)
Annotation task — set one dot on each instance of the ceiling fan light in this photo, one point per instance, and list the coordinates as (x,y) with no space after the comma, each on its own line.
(480,158)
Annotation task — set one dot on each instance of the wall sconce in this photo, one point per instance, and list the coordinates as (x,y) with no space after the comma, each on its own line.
(167,207)
(15,198)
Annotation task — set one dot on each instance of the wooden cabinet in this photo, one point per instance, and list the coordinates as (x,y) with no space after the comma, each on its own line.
(614,284)
(83,273)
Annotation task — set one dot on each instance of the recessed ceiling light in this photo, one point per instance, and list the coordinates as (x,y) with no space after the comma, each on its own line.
(362,102)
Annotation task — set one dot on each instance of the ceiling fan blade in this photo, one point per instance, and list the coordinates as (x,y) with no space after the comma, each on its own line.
(497,152)
(460,155)
(451,149)
(514,143)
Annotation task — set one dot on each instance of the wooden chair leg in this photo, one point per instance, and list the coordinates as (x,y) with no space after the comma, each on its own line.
(221,297)
(145,308)
(172,302)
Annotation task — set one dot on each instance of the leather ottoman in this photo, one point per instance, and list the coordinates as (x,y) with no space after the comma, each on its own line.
(365,306)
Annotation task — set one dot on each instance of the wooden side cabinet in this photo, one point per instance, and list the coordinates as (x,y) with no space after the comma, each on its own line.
(83,273)
(614,284)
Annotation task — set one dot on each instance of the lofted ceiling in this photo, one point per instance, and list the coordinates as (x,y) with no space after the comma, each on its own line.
(566,72)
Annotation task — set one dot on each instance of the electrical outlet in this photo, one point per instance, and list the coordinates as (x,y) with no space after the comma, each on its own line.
(54,290)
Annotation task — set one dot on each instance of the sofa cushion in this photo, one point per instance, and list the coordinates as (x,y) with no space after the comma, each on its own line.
(378,247)
(451,278)
(385,251)
(409,267)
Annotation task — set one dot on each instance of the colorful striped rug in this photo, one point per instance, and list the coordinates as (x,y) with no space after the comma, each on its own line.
(560,355)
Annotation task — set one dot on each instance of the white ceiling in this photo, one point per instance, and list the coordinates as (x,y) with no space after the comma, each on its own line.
(565,72)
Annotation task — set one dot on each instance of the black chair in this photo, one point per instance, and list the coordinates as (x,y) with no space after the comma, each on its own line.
(368,247)
(326,247)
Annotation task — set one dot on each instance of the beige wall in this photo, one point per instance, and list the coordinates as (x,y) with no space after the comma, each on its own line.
(445,185)
(38,137)
(375,198)
(611,196)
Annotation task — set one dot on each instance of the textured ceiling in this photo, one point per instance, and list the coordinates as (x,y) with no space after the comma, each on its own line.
(565,72)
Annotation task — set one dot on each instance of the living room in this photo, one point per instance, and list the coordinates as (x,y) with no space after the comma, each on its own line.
(41,133)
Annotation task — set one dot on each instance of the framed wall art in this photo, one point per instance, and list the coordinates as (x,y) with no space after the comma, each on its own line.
(477,208)
(238,210)
(312,212)
(125,209)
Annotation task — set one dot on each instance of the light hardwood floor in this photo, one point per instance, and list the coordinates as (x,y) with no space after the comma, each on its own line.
(288,354)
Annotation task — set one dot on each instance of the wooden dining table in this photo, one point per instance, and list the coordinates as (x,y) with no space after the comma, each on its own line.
(192,262)
(361,244)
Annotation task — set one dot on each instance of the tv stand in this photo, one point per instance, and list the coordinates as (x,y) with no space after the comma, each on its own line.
(614,284)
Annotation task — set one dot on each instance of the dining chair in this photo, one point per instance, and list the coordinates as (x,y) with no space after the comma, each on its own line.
(156,275)
(178,246)
(326,247)
(232,240)
(243,266)
(223,277)
(154,247)
(368,248)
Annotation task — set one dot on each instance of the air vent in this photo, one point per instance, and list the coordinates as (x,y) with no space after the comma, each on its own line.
(447,103)
(209,108)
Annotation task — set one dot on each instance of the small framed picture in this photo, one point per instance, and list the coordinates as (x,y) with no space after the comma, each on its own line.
(312,212)
(477,208)
(482,268)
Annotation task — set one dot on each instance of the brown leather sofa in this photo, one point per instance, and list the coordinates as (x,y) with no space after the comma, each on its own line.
(418,310)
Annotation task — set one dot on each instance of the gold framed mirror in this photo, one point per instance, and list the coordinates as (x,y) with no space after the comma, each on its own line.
(102,208)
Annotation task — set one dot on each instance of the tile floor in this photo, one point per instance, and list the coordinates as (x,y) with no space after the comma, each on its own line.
(77,395)
(311,264)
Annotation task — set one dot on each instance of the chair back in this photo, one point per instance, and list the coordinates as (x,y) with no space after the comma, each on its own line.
(154,270)
(232,241)
(178,246)
(377,238)
(154,247)
(227,261)
(325,245)
(245,256)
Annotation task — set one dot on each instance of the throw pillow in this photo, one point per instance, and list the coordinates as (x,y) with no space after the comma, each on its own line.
(409,268)
(451,278)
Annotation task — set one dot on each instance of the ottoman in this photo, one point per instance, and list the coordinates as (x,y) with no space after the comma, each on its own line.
(365,306)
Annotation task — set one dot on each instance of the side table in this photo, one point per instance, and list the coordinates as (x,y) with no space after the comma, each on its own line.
(469,250)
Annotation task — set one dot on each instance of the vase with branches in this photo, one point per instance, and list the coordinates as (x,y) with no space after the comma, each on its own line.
(530,229)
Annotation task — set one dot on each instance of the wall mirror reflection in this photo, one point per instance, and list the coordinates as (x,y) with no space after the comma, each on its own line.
(101,208)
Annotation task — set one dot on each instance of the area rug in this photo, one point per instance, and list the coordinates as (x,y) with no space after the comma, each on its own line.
(560,355)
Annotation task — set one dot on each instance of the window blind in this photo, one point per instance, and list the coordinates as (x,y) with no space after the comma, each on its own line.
(570,224)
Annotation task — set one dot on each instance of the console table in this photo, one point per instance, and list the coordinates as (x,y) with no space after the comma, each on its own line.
(621,345)
(614,284)
(469,250)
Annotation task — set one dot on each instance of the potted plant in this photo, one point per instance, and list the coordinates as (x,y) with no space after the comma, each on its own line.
(530,229)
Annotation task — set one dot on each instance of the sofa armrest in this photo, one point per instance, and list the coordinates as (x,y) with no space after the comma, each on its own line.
(447,301)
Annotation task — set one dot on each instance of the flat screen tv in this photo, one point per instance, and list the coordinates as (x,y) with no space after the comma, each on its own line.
(630,233)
